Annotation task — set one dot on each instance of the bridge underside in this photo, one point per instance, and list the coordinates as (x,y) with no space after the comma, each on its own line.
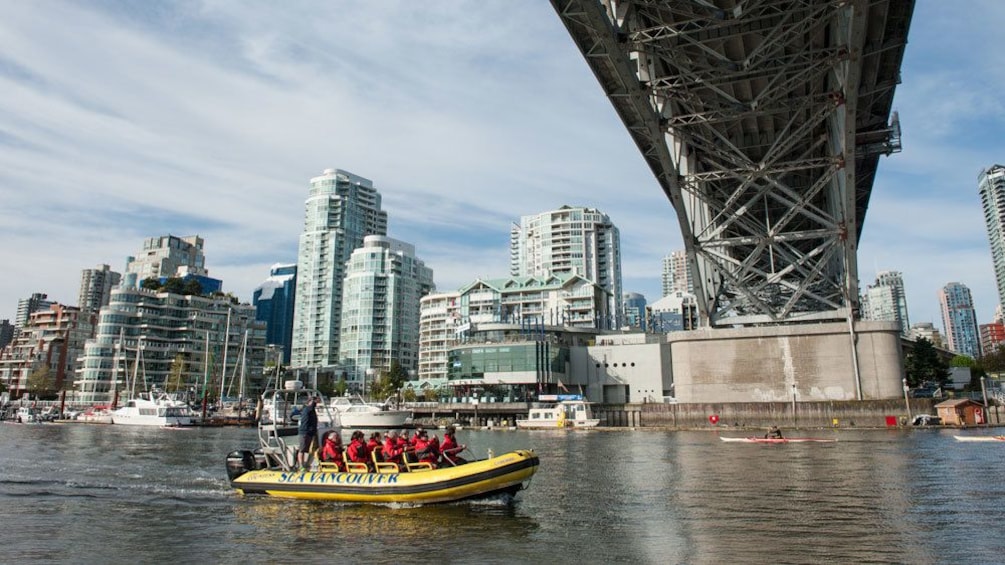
(763,122)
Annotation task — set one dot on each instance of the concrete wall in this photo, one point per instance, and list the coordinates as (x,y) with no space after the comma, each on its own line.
(841,414)
(622,373)
(774,364)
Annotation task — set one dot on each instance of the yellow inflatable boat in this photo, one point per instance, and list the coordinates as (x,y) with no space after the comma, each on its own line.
(504,474)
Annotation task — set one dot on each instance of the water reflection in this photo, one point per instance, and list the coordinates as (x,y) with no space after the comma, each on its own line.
(124,495)
(398,532)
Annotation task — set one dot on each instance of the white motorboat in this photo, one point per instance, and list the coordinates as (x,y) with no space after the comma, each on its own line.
(157,409)
(569,411)
(95,415)
(354,412)
(28,415)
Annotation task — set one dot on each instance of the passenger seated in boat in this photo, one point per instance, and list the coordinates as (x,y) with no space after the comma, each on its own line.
(773,433)
(449,449)
(427,450)
(331,450)
(392,448)
(357,449)
(374,446)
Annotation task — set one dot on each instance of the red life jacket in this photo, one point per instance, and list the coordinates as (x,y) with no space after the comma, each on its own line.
(357,451)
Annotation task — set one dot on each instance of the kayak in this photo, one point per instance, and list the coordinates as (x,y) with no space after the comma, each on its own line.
(778,440)
(979,438)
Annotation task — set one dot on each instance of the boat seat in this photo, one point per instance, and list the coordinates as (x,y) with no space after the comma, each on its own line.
(328,467)
(417,465)
(383,466)
(352,467)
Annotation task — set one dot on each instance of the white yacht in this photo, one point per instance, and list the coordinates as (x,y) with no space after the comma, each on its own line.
(157,409)
(354,412)
(567,411)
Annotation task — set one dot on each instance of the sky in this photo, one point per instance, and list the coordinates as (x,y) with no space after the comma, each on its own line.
(124,120)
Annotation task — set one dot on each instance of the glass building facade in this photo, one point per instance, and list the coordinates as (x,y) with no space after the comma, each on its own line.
(341,209)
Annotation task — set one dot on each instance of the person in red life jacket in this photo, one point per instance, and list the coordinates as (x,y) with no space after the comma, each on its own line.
(374,446)
(331,450)
(450,448)
(357,449)
(426,450)
(393,448)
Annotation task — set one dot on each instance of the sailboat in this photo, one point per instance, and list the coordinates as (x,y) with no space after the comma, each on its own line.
(153,408)
(239,412)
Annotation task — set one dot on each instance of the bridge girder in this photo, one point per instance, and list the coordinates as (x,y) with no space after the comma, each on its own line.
(763,121)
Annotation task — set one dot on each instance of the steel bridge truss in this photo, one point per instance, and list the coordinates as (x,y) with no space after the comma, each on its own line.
(763,122)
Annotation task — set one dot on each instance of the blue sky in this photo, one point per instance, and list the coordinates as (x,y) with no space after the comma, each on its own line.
(126,120)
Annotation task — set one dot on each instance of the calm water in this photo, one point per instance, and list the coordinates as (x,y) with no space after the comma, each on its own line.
(111,494)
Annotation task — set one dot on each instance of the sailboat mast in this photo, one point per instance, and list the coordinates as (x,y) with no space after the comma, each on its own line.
(244,365)
(226,343)
(115,369)
(205,376)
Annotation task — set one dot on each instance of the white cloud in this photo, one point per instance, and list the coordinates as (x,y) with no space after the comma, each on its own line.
(209,117)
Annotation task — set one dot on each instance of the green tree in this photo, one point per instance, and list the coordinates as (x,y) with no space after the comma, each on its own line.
(341,386)
(151,283)
(925,365)
(962,361)
(192,287)
(174,285)
(41,384)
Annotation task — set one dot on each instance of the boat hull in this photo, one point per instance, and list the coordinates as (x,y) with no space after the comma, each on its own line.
(387,419)
(979,438)
(777,440)
(557,424)
(506,473)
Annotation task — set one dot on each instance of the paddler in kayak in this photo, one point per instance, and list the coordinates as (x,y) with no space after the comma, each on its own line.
(773,433)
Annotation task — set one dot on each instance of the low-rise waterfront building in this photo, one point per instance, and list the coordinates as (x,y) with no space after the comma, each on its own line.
(530,303)
(51,342)
(192,342)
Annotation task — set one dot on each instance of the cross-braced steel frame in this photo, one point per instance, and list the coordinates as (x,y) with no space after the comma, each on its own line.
(763,121)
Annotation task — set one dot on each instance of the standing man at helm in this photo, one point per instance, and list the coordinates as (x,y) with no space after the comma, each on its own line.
(307,431)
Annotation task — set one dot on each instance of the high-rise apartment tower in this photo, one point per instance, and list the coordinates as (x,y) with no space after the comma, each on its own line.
(991,186)
(571,241)
(341,209)
(959,319)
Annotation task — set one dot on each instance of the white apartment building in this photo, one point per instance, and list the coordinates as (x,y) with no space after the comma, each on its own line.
(530,303)
(885,300)
(166,256)
(676,276)
(341,209)
(571,241)
(96,287)
(991,187)
(146,334)
(383,286)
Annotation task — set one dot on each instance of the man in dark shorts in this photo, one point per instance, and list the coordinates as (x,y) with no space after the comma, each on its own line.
(307,431)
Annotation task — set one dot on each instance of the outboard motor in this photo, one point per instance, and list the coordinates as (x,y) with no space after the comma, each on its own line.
(239,463)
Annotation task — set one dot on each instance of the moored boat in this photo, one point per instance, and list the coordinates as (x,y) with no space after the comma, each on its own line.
(153,410)
(566,411)
(354,412)
(778,440)
(95,415)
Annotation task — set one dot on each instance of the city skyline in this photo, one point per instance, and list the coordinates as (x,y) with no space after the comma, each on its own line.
(123,122)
